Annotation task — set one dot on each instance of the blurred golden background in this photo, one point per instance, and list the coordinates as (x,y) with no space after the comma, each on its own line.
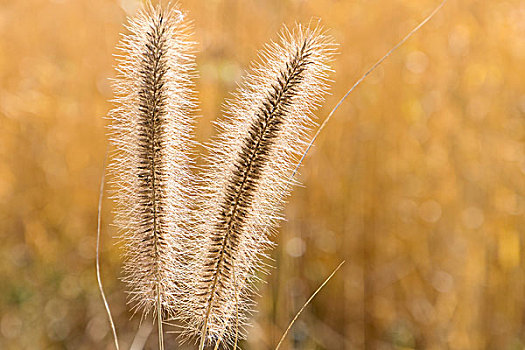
(417,182)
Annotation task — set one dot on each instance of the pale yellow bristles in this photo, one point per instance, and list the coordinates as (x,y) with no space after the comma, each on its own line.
(246,181)
(150,131)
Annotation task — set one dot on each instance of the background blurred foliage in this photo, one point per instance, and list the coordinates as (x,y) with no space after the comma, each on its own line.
(417,182)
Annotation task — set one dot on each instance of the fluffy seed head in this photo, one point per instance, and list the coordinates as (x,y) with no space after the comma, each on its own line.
(248,177)
(150,132)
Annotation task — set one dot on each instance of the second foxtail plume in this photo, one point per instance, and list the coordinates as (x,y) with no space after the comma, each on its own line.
(247,179)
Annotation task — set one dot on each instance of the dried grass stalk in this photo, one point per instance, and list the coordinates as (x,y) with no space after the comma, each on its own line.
(150,130)
(247,178)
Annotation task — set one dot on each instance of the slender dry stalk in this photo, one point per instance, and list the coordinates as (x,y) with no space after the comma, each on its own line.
(150,131)
(247,179)
(306,303)
(97,257)
(364,76)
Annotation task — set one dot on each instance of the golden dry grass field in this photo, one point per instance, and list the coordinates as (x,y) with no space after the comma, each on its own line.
(417,182)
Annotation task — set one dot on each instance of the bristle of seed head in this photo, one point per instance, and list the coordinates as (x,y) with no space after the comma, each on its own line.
(247,178)
(150,131)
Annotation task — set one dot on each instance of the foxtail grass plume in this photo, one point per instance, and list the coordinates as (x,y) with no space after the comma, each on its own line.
(150,130)
(247,178)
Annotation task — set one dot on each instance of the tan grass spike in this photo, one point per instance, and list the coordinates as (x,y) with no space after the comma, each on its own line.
(264,130)
(150,131)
